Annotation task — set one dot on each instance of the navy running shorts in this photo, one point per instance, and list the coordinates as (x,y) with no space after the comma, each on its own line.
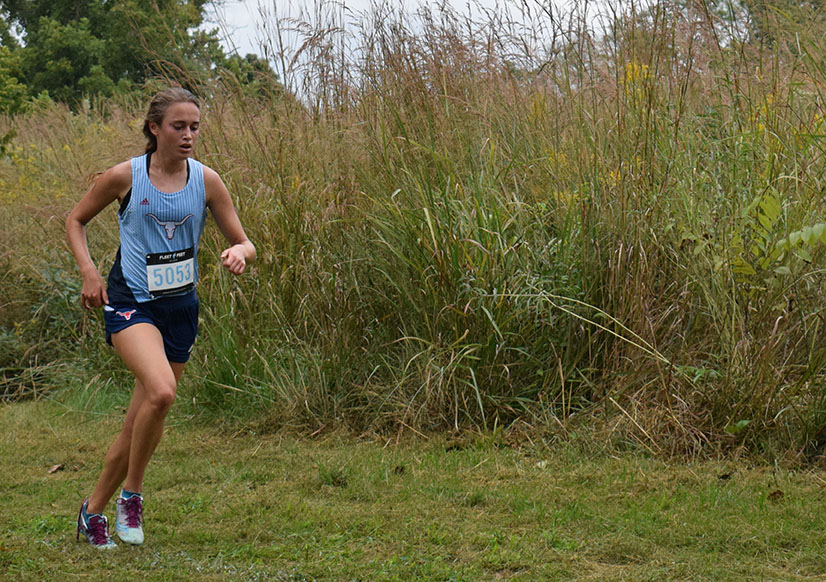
(175,317)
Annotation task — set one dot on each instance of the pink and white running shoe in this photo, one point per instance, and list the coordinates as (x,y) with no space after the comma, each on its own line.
(129,523)
(95,529)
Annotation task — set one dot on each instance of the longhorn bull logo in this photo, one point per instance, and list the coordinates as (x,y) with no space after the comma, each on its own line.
(169,226)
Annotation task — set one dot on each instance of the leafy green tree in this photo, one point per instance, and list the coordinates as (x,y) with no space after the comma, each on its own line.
(158,37)
(76,47)
(59,58)
(253,74)
(12,91)
(7,39)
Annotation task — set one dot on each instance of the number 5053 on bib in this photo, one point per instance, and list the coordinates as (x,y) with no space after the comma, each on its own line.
(170,273)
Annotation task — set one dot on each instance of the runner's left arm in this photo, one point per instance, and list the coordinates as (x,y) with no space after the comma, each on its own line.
(241,250)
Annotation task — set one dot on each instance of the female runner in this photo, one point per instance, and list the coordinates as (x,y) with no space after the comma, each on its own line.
(150,306)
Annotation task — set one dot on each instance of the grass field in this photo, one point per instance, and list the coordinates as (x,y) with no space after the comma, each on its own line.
(232,504)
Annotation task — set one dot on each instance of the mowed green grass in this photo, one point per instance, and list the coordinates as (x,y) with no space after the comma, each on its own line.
(227,504)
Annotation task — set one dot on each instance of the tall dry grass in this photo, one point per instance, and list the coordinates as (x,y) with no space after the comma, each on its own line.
(611,221)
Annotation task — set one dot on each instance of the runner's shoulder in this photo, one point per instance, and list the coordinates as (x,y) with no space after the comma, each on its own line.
(117,180)
(210,175)
(119,175)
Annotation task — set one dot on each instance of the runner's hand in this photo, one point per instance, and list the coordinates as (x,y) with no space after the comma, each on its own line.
(234,259)
(93,293)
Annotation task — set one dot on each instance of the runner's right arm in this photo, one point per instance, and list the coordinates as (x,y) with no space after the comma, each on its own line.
(108,187)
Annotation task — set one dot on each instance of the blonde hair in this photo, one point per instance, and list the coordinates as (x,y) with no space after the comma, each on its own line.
(157,109)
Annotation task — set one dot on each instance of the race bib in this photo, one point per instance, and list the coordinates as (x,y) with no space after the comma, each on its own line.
(170,273)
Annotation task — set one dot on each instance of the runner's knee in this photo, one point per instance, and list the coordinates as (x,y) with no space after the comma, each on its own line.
(161,395)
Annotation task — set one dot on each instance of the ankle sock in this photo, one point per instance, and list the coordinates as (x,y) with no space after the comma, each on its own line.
(86,514)
(129,494)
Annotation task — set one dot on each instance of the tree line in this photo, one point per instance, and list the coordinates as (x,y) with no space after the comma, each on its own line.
(67,50)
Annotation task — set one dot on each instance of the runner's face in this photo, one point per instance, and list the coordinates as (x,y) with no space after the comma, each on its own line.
(179,129)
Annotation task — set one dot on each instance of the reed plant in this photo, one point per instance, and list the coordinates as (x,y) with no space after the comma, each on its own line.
(464,220)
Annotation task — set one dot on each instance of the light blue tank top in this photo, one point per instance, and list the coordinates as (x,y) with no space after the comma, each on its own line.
(160,234)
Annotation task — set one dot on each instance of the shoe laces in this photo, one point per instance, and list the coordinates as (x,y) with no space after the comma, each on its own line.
(133,509)
(98,530)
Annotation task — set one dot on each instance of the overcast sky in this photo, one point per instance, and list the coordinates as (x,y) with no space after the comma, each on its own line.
(241,20)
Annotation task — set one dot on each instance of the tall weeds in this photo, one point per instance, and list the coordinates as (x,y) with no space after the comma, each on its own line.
(468,219)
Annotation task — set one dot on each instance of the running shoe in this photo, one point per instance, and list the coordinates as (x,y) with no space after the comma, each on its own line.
(128,524)
(95,529)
